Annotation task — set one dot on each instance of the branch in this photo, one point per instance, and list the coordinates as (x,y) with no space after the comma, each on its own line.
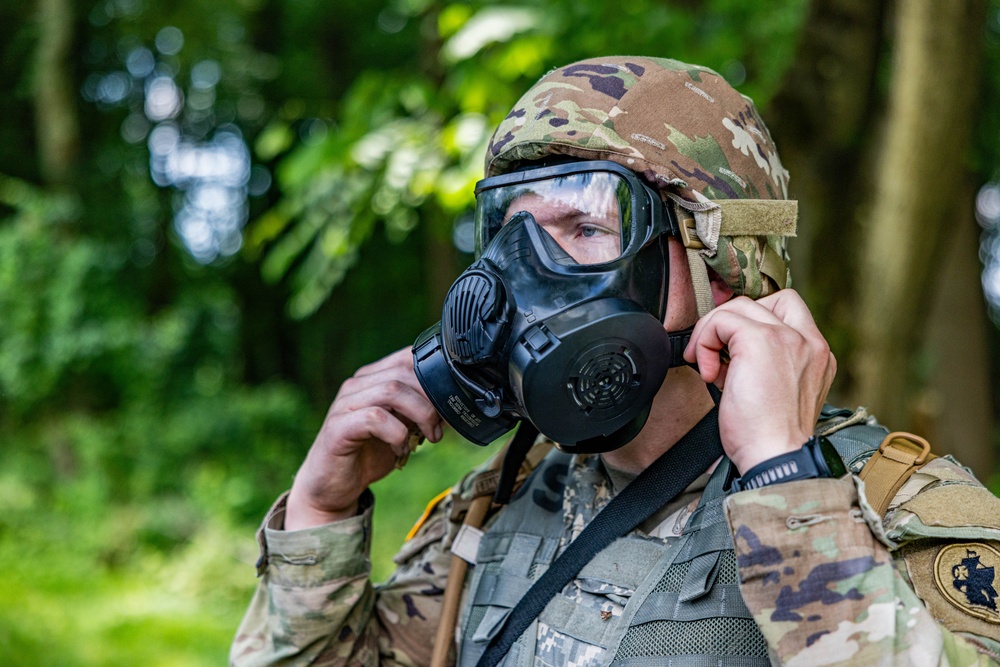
(55,112)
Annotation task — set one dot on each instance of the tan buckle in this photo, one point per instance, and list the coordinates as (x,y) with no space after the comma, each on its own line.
(689,231)
(914,439)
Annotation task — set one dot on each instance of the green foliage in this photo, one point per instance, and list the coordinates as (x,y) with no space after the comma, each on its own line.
(65,607)
(391,153)
(161,579)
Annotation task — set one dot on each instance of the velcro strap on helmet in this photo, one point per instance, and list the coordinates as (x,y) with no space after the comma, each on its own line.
(711,219)
(758,217)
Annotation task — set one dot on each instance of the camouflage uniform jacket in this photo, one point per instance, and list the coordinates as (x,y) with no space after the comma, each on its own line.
(824,580)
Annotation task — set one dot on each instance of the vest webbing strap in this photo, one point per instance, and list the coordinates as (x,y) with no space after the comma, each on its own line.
(655,486)
(474,517)
(897,458)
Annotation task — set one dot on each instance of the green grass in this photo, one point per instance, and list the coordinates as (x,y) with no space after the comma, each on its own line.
(67,608)
(83,591)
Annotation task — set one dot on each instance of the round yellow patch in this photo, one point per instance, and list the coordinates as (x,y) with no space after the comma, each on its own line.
(967,576)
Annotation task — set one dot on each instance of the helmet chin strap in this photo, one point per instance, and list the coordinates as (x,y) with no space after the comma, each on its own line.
(699,280)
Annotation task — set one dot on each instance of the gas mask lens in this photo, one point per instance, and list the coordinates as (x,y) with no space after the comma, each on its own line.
(587,214)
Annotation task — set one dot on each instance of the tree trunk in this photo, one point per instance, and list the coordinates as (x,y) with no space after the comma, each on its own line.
(919,171)
(955,412)
(441,261)
(821,118)
(882,237)
(56,123)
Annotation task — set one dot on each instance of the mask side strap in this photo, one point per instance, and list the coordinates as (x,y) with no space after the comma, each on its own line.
(699,279)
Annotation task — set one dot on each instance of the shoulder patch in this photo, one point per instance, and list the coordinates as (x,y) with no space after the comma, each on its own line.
(959,582)
(966,575)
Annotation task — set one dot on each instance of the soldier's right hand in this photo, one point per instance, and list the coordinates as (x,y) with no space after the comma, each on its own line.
(366,429)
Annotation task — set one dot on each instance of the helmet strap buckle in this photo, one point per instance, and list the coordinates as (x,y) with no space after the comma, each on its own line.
(688,230)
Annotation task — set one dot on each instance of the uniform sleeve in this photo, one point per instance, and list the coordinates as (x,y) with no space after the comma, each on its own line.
(819,578)
(315,603)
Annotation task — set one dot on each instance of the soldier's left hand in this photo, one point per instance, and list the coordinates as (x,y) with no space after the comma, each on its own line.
(779,372)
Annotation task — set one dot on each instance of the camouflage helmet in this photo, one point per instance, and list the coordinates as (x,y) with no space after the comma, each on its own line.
(683,129)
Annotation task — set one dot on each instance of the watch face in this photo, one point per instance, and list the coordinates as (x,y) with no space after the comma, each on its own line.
(834,463)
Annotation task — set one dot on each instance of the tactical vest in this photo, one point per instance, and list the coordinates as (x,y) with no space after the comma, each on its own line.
(678,597)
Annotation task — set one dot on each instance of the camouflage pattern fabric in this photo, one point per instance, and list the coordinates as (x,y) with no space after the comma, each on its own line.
(316,606)
(824,589)
(628,110)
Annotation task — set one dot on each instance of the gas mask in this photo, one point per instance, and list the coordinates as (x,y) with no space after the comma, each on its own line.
(558,322)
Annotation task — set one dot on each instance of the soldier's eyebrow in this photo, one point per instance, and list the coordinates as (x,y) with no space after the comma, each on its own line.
(566,216)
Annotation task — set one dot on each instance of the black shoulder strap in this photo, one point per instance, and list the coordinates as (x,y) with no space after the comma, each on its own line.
(662,481)
(517,451)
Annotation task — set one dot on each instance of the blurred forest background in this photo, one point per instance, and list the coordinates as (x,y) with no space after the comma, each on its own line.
(212,212)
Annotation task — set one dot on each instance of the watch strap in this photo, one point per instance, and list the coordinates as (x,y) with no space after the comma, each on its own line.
(808,462)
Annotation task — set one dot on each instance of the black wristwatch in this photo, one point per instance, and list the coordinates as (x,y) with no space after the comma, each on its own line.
(816,459)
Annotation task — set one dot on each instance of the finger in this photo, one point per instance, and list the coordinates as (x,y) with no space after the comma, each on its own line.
(711,335)
(362,426)
(401,398)
(704,349)
(720,379)
(791,312)
(740,305)
(789,307)
(402,357)
(748,308)
(360,383)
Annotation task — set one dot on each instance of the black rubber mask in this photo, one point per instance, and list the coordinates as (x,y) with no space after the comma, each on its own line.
(559,321)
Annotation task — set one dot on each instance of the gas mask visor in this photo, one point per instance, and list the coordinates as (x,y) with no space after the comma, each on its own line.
(558,322)
(592,211)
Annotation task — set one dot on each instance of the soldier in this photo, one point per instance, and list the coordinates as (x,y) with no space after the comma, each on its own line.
(622,191)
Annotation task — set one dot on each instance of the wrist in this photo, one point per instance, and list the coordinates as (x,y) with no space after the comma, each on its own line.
(749,456)
(301,514)
(817,458)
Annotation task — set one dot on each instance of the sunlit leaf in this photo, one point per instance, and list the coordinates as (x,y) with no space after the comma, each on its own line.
(490,24)
(452,18)
(274,140)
